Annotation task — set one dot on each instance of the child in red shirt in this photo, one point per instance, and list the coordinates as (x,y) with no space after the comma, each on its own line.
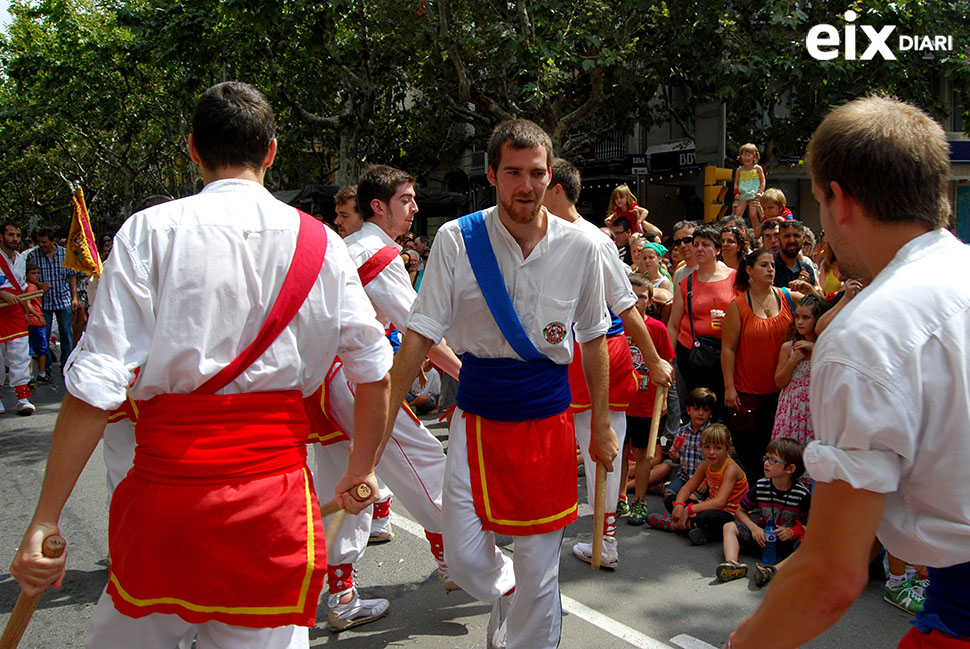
(640,412)
(36,325)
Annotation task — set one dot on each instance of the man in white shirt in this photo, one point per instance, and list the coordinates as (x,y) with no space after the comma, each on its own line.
(348,219)
(14,351)
(890,391)
(189,296)
(560,199)
(414,462)
(513,394)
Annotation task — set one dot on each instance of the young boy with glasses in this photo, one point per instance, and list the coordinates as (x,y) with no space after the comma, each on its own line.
(779,498)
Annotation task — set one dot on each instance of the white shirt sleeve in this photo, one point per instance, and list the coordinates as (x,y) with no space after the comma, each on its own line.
(592,318)
(392,295)
(432,311)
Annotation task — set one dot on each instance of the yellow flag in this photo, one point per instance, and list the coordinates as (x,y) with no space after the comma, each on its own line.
(82,250)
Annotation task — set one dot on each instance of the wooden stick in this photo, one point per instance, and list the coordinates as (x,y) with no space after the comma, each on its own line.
(23,297)
(658,404)
(599,515)
(53,547)
(361,492)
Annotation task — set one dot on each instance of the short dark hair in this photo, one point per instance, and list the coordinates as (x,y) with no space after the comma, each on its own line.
(788,450)
(31,266)
(566,174)
(890,156)
(711,232)
(769,225)
(702,398)
(623,223)
(423,238)
(9,224)
(345,195)
(232,125)
(519,134)
(380,182)
(44,232)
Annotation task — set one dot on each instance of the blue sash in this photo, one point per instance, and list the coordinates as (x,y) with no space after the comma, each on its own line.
(505,389)
(490,281)
(616,325)
(946,607)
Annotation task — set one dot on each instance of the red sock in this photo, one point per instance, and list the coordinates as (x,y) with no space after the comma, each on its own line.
(437,544)
(23,391)
(340,578)
(382,509)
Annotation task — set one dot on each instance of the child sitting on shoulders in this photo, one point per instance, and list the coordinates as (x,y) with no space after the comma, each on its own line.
(778,497)
(686,448)
(726,486)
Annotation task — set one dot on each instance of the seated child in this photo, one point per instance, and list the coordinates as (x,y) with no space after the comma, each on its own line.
(423,396)
(640,411)
(778,497)
(726,486)
(700,407)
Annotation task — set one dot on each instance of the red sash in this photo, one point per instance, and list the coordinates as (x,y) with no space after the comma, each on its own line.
(218,518)
(624,380)
(13,318)
(324,430)
(376,263)
(523,474)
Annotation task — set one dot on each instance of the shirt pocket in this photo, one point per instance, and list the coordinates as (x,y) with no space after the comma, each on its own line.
(554,319)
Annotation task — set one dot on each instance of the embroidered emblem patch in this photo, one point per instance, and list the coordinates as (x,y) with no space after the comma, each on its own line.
(554,332)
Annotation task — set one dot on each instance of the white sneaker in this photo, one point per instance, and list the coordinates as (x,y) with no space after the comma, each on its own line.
(609,559)
(356,612)
(445,578)
(2,409)
(380,531)
(497,636)
(24,408)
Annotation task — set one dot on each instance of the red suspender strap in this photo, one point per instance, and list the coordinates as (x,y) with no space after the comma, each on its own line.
(377,262)
(311,247)
(5,267)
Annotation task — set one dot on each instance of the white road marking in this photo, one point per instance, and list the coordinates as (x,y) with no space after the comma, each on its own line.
(573,607)
(685,641)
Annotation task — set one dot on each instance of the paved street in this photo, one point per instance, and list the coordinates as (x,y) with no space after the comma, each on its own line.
(663,595)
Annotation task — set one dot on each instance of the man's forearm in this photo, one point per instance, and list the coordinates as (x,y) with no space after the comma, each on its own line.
(444,357)
(370,420)
(77,431)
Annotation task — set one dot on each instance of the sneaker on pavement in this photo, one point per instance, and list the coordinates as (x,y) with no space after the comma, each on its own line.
(44,379)
(356,612)
(380,531)
(763,573)
(608,559)
(908,597)
(638,513)
(661,522)
(497,635)
(622,507)
(730,570)
(25,408)
(697,536)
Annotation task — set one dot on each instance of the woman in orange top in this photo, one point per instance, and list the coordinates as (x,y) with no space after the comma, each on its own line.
(752,335)
(712,289)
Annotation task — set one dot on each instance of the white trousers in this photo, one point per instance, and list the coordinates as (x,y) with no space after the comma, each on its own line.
(15,353)
(118,448)
(413,467)
(477,565)
(111,630)
(583,421)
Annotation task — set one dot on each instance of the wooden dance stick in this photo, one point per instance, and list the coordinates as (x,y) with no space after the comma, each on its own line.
(53,547)
(599,515)
(23,297)
(658,404)
(361,492)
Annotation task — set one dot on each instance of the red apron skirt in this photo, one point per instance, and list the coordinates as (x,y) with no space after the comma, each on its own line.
(13,323)
(218,518)
(624,381)
(523,473)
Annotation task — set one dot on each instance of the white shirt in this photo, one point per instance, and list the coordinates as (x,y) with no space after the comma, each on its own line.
(190,282)
(560,282)
(432,386)
(19,267)
(619,291)
(390,292)
(890,400)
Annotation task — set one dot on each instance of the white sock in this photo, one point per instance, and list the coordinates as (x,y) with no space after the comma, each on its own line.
(895,581)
